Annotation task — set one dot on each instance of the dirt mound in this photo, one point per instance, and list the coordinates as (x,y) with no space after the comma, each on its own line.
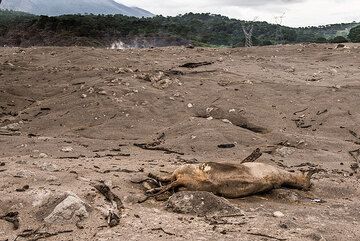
(201,204)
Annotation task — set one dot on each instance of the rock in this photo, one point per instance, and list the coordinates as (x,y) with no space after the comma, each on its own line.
(67,149)
(24,174)
(226,121)
(278,214)
(134,198)
(284,151)
(288,224)
(43,155)
(190,105)
(71,210)
(200,204)
(50,167)
(12,127)
(103,92)
(316,237)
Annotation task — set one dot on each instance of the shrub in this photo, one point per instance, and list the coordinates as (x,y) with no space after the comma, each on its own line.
(339,39)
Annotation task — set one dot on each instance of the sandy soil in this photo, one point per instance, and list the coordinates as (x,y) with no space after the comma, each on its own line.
(69,117)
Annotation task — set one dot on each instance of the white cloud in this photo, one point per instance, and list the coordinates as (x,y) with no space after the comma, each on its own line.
(298,12)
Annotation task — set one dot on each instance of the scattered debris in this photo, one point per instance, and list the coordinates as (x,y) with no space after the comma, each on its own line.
(97,155)
(314,78)
(12,217)
(300,111)
(355,154)
(151,148)
(253,156)
(187,161)
(321,112)
(161,229)
(67,149)
(226,146)
(267,236)
(285,151)
(124,170)
(195,65)
(23,189)
(340,46)
(9,133)
(159,80)
(114,214)
(300,123)
(354,167)
(34,235)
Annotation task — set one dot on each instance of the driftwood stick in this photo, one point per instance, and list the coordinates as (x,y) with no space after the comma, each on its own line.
(267,236)
(253,156)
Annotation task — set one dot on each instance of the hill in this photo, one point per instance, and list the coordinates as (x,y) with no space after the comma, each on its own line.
(61,7)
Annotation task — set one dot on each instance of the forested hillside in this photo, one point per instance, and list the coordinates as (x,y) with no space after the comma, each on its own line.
(21,29)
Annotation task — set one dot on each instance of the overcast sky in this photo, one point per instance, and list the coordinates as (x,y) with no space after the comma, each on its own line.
(297,12)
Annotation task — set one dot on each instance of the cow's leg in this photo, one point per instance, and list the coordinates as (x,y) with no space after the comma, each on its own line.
(160,190)
(167,178)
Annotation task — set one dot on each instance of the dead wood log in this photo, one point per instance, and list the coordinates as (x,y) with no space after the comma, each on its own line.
(253,156)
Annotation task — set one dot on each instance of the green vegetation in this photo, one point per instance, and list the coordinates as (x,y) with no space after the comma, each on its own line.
(339,39)
(201,29)
(354,34)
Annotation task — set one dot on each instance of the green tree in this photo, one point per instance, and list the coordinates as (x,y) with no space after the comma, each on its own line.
(321,40)
(339,39)
(354,34)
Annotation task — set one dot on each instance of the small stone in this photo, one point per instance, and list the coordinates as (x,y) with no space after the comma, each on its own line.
(190,105)
(50,167)
(43,155)
(278,214)
(226,121)
(285,151)
(134,198)
(67,149)
(12,127)
(83,96)
(103,92)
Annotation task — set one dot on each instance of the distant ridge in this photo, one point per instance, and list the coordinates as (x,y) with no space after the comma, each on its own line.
(61,7)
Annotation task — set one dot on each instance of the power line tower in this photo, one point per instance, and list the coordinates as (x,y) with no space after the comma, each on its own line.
(248,32)
(279,33)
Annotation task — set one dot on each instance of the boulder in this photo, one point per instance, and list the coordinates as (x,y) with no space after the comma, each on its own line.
(70,210)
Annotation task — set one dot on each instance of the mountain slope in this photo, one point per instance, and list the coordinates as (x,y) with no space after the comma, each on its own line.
(61,7)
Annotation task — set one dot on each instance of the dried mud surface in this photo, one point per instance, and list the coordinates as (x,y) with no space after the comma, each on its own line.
(69,118)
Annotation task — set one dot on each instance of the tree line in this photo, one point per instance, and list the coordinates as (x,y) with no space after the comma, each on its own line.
(201,29)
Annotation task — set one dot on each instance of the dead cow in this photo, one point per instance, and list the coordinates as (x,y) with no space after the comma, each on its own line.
(231,181)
